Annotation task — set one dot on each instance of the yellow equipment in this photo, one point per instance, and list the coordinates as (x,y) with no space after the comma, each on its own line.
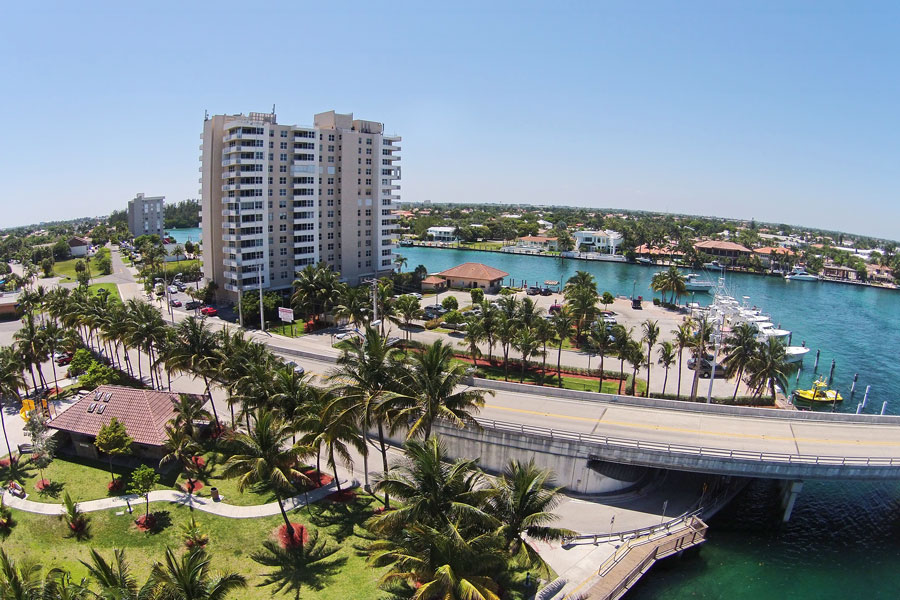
(819,392)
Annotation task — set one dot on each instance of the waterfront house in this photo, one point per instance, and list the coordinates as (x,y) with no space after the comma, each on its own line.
(600,241)
(655,252)
(839,272)
(537,242)
(725,252)
(474,275)
(9,305)
(144,413)
(770,254)
(442,234)
(78,246)
(433,283)
(880,274)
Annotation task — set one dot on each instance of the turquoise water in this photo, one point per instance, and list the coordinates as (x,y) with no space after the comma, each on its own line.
(843,540)
(857,327)
(183,235)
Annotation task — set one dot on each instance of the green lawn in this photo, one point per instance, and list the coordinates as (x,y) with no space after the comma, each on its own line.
(45,540)
(570,383)
(112,288)
(66,269)
(285,329)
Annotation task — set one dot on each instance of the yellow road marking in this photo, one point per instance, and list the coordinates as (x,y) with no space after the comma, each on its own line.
(692,431)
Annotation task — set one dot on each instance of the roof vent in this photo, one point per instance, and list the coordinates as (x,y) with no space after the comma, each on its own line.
(92,407)
(97,395)
(100,409)
(108,397)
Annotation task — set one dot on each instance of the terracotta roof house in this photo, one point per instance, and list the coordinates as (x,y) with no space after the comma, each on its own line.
(537,242)
(772,253)
(144,413)
(434,283)
(726,250)
(474,275)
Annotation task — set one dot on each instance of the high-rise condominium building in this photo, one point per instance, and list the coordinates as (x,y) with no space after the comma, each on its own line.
(145,215)
(275,198)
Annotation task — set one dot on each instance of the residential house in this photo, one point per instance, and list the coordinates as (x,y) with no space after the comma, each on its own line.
(78,246)
(446,235)
(601,241)
(474,275)
(725,252)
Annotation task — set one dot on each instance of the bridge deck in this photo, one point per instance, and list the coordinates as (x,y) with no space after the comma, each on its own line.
(727,432)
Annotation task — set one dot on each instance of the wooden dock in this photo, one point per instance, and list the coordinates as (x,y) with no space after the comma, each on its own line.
(637,556)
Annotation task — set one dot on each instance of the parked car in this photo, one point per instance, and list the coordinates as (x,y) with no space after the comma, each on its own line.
(209,311)
(175,302)
(193,304)
(534,291)
(173,289)
(346,335)
(64,359)
(297,368)
(706,368)
(607,314)
(546,292)
(636,303)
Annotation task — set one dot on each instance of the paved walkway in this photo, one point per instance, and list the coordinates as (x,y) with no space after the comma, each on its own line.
(174,497)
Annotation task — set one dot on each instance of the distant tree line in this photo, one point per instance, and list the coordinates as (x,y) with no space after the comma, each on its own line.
(182,215)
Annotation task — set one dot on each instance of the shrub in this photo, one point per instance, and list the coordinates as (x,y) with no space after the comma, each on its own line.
(507,292)
(477,295)
(6,519)
(656,302)
(80,362)
(98,375)
(75,519)
(433,323)
(192,534)
(450,303)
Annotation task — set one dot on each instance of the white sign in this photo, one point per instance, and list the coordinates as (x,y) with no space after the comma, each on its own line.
(286,314)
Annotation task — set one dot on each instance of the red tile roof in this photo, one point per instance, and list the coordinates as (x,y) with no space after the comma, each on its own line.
(475,271)
(540,239)
(434,279)
(143,412)
(717,245)
(772,250)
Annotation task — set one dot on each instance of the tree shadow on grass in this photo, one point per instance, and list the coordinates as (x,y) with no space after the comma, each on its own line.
(52,489)
(340,519)
(162,520)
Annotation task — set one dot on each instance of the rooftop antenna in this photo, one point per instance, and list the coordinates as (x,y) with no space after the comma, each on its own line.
(206,115)
(273,109)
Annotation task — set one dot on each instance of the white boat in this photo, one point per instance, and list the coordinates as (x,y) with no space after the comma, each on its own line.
(693,283)
(643,261)
(774,332)
(801,274)
(795,354)
(714,266)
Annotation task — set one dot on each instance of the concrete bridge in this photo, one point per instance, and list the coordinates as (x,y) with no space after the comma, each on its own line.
(599,443)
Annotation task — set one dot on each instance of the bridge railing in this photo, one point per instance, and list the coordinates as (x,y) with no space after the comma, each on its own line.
(634,534)
(687,450)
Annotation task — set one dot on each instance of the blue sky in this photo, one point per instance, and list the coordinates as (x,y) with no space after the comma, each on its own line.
(783,112)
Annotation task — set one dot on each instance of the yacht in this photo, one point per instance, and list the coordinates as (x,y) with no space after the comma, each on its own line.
(801,274)
(714,266)
(795,354)
(693,283)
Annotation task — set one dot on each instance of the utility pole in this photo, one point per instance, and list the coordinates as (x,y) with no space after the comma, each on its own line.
(712,374)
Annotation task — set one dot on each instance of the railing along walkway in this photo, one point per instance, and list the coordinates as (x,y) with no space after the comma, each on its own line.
(635,557)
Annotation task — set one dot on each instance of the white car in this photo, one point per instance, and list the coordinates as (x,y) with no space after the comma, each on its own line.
(346,335)
(297,368)
(173,289)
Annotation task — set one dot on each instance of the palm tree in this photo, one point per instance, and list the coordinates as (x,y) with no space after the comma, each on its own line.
(188,410)
(30,341)
(188,577)
(699,345)
(444,564)
(768,367)
(368,369)
(341,431)
(527,343)
(635,357)
(563,322)
(353,305)
(433,490)
(623,341)
(54,337)
(667,355)
(114,580)
(523,499)
(399,262)
(294,567)
(291,394)
(528,312)
(473,335)
(316,288)
(432,392)
(583,303)
(683,336)
(602,341)
(489,320)
(19,581)
(407,310)
(740,350)
(506,332)
(675,283)
(650,329)
(544,333)
(264,456)
(197,354)
(180,447)
(11,381)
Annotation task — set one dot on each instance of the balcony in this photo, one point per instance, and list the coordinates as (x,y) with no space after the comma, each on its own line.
(303,169)
(390,156)
(231,213)
(298,220)
(237,135)
(243,161)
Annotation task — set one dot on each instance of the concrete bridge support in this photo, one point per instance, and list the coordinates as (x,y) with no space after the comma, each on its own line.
(789,492)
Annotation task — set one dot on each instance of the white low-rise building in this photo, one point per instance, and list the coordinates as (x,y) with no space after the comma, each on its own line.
(443,234)
(603,241)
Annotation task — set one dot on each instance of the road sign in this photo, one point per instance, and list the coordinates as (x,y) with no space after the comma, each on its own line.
(286,314)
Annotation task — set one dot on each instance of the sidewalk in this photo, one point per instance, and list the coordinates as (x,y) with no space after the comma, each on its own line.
(173,497)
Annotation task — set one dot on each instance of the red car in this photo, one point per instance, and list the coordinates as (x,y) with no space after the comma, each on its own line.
(209,311)
(64,360)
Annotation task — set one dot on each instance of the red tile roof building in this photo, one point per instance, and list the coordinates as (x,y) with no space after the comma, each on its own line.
(144,413)
(474,275)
